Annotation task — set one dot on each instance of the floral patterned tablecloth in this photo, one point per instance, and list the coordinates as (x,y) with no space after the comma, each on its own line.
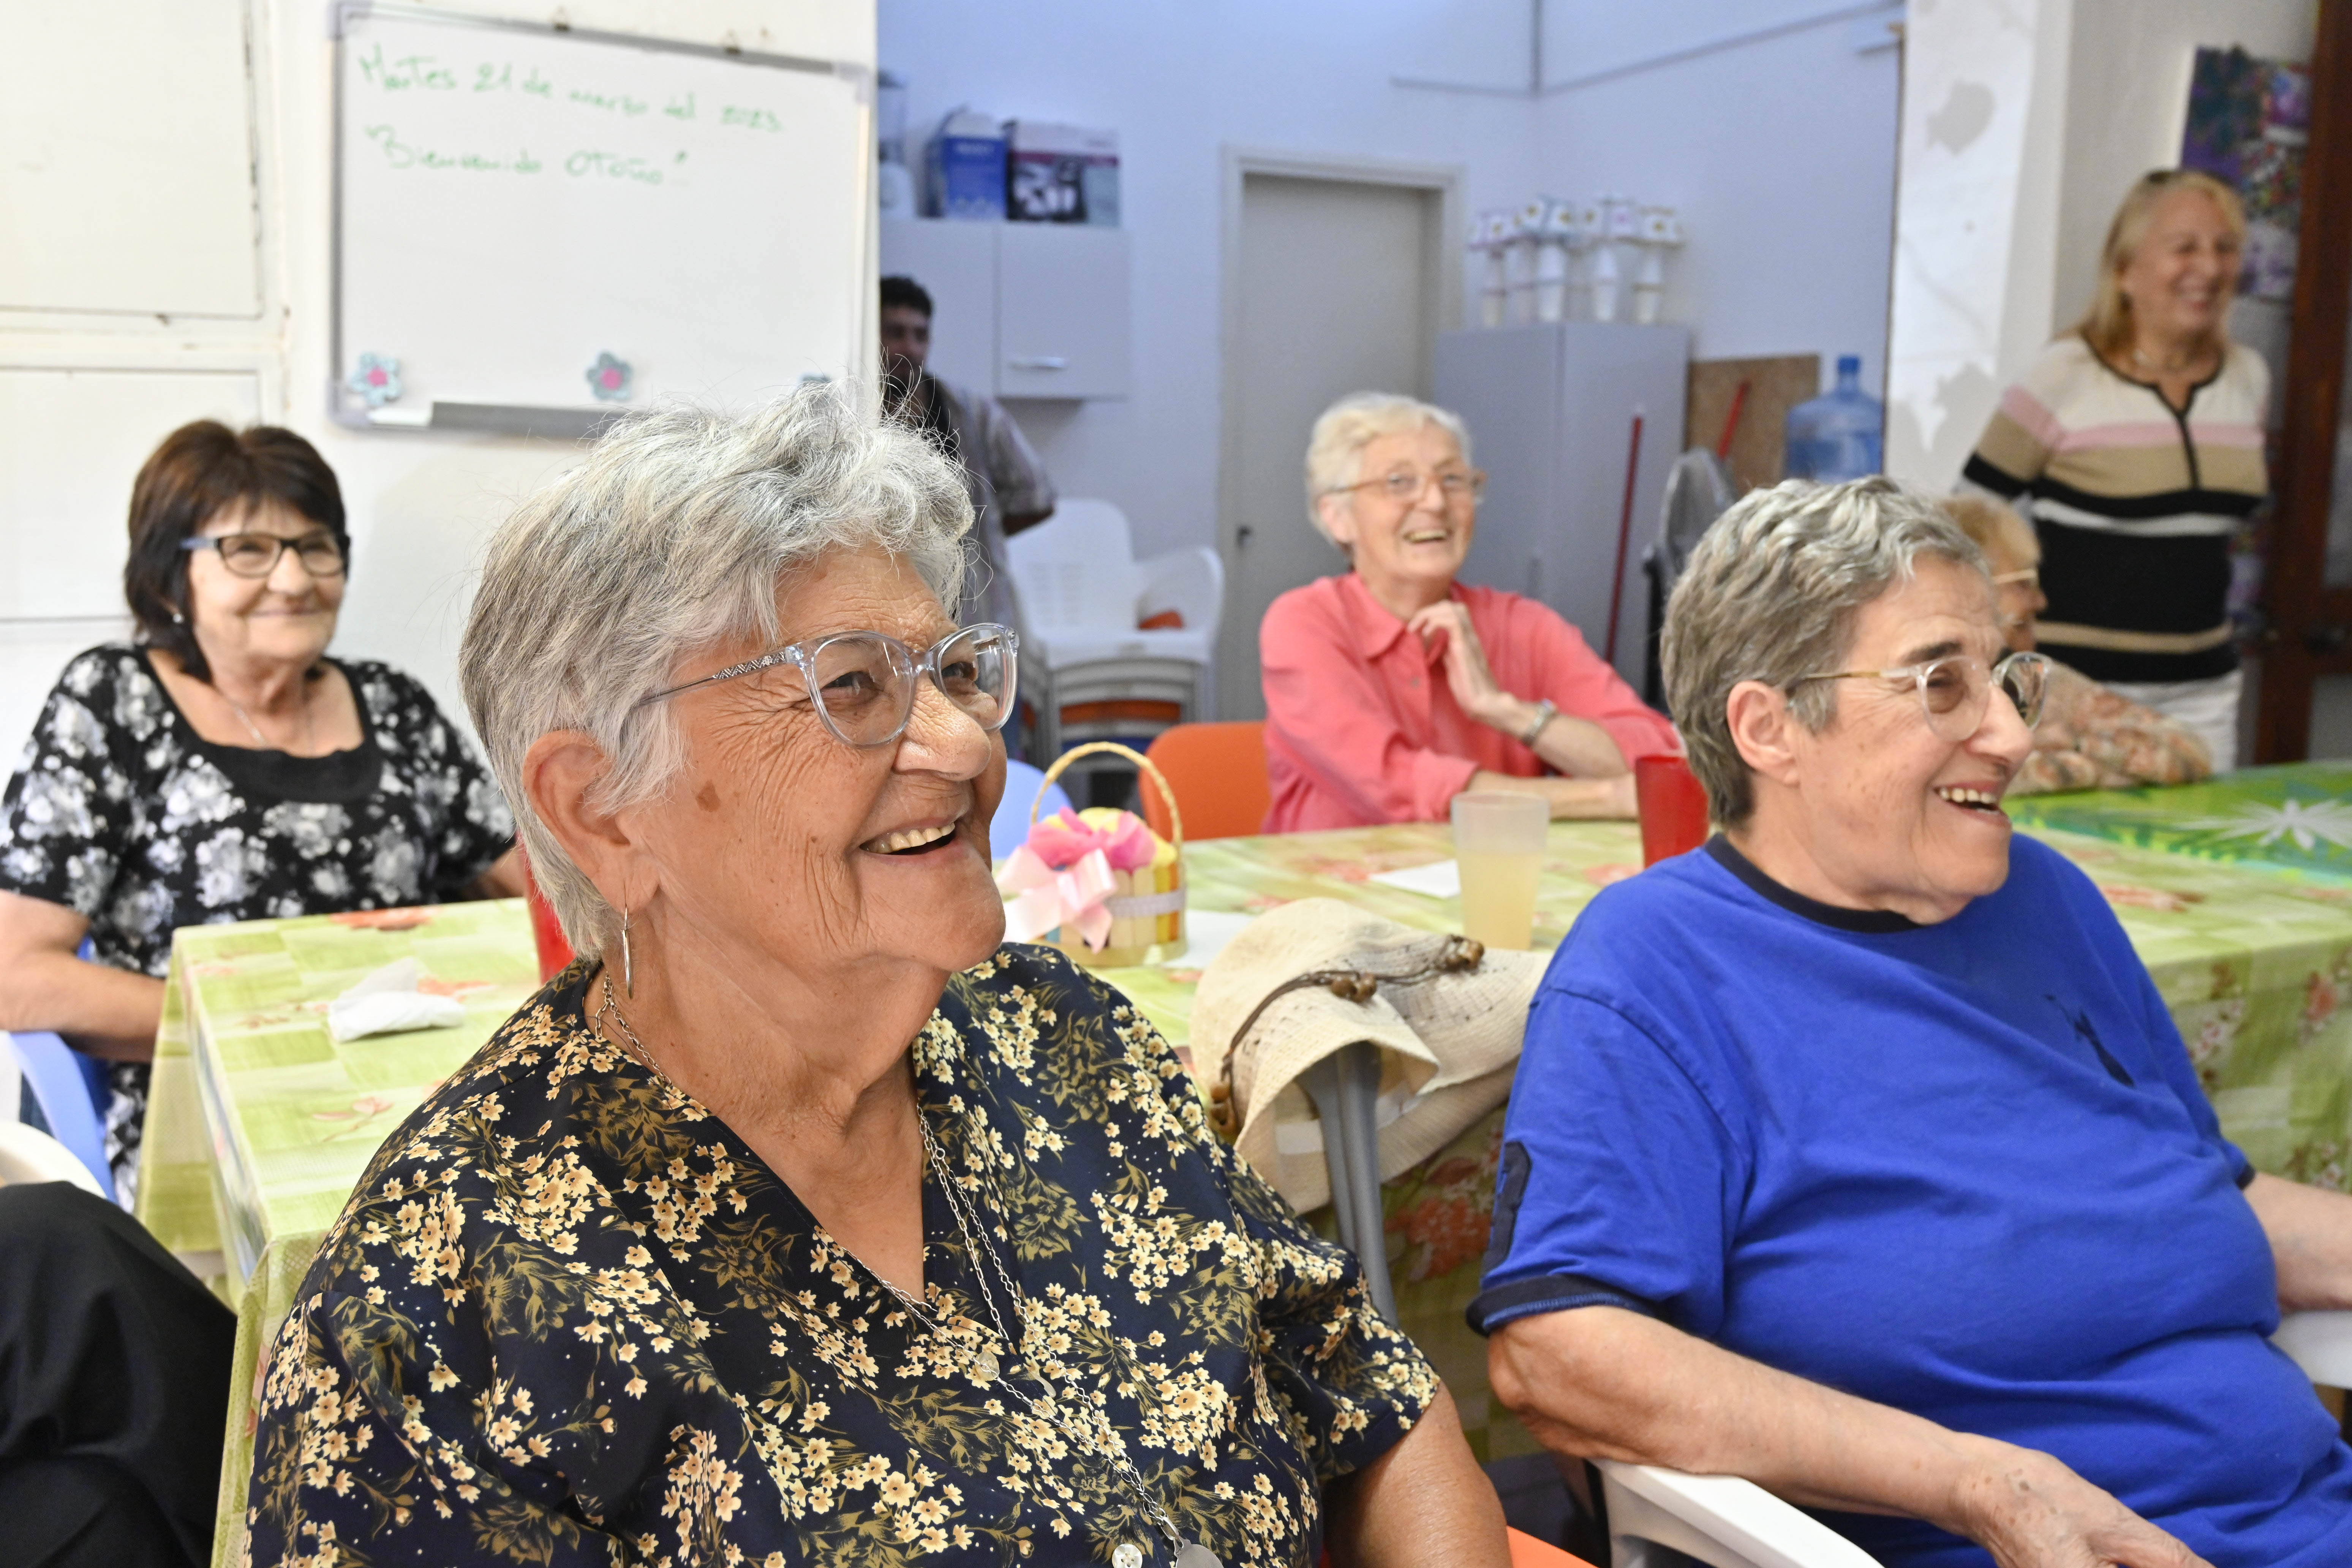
(2295,816)
(259,1124)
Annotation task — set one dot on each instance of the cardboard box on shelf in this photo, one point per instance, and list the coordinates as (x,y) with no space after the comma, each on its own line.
(963,168)
(1061,173)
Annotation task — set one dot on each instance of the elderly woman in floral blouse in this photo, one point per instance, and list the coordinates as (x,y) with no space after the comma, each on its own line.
(800,1221)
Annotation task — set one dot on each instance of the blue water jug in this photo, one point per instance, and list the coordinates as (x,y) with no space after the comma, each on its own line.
(1839,435)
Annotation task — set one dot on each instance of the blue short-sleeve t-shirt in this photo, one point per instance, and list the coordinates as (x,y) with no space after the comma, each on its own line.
(1965,1169)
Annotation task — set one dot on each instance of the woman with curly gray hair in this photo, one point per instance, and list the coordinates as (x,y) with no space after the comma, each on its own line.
(1856,1154)
(801,1221)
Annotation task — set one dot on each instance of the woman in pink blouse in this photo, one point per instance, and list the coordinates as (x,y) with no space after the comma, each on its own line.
(1392,689)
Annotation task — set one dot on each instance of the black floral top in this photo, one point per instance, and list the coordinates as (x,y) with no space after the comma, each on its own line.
(120,812)
(570,1318)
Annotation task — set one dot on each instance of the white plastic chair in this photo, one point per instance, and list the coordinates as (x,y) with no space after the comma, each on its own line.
(1082,595)
(1731,1523)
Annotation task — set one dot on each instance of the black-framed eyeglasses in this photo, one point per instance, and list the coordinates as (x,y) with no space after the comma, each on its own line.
(1405,486)
(862,683)
(257,554)
(1954,693)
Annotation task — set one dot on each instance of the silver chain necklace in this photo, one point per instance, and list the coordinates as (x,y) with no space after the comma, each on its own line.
(984,1364)
(309,719)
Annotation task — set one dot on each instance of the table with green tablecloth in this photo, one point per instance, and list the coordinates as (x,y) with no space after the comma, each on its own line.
(2294,817)
(259,1124)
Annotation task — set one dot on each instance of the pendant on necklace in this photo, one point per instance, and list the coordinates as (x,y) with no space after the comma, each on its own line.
(1196,1555)
(983,1366)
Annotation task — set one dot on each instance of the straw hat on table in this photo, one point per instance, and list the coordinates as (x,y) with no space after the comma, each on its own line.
(1447,1017)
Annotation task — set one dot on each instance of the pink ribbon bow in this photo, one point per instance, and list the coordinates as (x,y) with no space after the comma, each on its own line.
(1064,839)
(1044,898)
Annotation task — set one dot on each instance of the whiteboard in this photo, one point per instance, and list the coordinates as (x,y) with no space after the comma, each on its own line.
(534,219)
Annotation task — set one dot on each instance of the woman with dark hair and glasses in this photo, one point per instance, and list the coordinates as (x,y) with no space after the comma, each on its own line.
(804,1220)
(219,766)
(1393,687)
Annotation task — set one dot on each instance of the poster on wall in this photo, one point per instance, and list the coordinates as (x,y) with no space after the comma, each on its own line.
(2248,123)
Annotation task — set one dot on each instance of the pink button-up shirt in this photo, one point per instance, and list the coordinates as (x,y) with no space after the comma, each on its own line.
(1361,727)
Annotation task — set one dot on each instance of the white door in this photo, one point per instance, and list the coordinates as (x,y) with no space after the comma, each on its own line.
(1337,290)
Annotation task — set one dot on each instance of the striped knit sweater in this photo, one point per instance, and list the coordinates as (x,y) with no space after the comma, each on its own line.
(2135,502)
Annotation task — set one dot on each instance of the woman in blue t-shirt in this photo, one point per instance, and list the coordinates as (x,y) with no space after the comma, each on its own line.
(1856,1154)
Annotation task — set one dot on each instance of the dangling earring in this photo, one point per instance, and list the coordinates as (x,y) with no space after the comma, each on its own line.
(178,619)
(628,969)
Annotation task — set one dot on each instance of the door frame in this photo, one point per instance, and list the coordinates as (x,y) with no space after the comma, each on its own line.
(2311,622)
(1443,263)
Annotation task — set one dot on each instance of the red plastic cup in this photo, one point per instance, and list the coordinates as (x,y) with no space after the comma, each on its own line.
(546,930)
(1673,806)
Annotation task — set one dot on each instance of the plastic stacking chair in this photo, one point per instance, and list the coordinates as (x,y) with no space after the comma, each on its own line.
(60,1086)
(1218,771)
(1527,1552)
(1009,827)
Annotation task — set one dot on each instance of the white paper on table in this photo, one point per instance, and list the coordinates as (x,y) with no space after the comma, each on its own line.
(1206,932)
(388,1001)
(1438,879)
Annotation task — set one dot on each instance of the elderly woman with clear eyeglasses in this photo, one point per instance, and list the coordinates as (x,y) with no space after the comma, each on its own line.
(801,1221)
(1393,687)
(1856,1154)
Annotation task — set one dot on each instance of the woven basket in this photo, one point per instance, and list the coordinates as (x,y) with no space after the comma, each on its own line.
(1147,907)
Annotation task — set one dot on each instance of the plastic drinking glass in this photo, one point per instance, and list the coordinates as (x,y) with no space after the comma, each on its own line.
(1498,843)
(1673,806)
(546,930)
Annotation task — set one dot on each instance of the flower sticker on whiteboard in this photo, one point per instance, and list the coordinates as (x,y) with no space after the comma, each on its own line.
(609,379)
(377,379)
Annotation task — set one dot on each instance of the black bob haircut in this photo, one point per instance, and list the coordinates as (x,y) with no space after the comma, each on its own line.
(200,470)
(905,293)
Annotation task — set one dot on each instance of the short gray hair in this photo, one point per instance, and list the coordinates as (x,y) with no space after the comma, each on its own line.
(1335,451)
(1770,593)
(673,537)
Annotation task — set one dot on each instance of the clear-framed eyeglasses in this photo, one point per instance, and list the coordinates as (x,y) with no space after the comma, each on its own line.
(1456,487)
(1954,693)
(257,554)
(862,684)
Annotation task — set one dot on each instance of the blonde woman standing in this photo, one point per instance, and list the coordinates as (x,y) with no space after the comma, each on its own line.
(2135,445)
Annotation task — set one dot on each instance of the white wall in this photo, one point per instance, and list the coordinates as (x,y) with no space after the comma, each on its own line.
(1778,152)
(419,504)
(1179,82)
(2022,126)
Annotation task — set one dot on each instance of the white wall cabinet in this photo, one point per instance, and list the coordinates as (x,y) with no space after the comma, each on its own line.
(1021,310)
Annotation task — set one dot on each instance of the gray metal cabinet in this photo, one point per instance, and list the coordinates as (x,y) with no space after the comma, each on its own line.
(1550,411)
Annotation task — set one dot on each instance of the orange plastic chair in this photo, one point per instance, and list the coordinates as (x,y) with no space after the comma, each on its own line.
(1527,1552)
(1218,771)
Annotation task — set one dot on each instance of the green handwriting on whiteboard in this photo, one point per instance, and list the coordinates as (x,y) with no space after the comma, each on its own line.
(400,154)
(499,77)
(408,71)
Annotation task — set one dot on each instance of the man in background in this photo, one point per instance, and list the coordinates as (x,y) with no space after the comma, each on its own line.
(1010,490)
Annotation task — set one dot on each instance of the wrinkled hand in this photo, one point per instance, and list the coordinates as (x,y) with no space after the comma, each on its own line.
(2031,1512)
(1467,674)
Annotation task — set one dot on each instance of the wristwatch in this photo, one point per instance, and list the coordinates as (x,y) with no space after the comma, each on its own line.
(1545,710)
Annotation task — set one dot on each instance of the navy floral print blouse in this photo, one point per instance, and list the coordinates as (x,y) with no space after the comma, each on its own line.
(570,1318)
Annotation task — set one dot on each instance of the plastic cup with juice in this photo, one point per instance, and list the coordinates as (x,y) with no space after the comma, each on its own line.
(1498,842)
